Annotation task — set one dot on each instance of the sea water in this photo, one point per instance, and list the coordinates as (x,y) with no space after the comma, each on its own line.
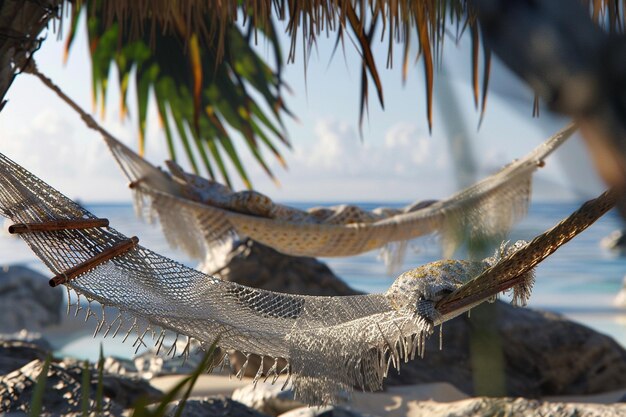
(580,280)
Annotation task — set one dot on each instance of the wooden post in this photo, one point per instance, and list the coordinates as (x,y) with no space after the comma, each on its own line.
(89,264)
(55,225)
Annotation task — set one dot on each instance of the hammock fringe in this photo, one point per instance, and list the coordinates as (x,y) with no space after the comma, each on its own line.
(330,344)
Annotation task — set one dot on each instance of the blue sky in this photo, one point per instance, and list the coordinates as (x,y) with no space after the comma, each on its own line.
(397,160)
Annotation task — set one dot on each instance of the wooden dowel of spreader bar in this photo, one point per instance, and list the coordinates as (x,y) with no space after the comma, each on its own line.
(55,225)
(90,264)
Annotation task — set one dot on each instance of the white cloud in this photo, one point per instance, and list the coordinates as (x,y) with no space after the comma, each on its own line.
(404,165)
(404,150)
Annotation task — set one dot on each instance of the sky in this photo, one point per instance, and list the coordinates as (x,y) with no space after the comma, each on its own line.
(396,160)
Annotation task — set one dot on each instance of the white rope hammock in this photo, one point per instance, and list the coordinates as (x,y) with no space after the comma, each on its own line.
(328,344)
(200,215)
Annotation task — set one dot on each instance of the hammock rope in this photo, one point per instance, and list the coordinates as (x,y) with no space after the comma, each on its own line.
(200,215)
(328,344)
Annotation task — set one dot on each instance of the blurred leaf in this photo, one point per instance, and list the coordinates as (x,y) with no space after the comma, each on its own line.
(85,390)
(369,65)
(201,90)
(475,50)
(100,385)
(425,40)
(39,390)
(486,72)
(184,386)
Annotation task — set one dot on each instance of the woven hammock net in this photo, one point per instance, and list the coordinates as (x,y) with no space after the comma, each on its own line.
(200,215)
(329,344)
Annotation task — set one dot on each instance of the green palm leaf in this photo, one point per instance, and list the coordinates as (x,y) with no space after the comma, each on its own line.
(205,96)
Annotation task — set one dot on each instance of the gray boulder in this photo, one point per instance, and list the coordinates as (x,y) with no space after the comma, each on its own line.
(16,353)
(24,335)
(514,407)
(327,411)
(543,354)
(27,301)
(62,394)
(256,265)
(215,407)
(267,398)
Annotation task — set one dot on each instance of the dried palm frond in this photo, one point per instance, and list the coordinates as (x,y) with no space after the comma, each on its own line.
(391,22)
(365,21)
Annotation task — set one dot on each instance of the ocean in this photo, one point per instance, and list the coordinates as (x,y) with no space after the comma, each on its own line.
(580,281)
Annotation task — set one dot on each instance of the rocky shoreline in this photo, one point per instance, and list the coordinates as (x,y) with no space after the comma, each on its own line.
(217,395)
(548,365)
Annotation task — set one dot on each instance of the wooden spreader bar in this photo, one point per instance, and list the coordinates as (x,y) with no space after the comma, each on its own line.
(55,225)
(89,264)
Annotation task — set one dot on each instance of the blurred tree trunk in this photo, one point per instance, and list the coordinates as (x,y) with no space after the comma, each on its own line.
(21,21)
(574,65)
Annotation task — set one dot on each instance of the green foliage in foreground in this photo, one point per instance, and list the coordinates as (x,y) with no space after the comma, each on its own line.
(185,386)
(40,388)
(141,408)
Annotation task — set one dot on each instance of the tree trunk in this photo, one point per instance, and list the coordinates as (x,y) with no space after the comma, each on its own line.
(21,21)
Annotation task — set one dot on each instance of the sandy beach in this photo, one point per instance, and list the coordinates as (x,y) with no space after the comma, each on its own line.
(396,401)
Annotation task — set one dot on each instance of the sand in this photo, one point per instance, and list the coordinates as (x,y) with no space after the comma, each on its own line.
(396,401)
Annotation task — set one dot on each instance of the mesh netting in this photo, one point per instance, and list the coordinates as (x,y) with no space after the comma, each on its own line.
(329,344)
(199,215)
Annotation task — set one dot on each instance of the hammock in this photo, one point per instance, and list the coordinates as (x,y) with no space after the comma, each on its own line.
(329,344)
(200,215)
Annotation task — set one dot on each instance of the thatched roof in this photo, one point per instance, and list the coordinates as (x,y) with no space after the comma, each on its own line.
(400,21)
(393,22)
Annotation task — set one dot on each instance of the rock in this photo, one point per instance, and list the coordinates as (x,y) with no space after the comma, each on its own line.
(544,354)
(620,298)
(126,391)
(63,389)
(514,407)
(61,396)
(150,364)
(267,398)
(253,264)
(16,353)
(26,301)
(24,335)
(615,241)
(119,366)
(215,407)
(327,411)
